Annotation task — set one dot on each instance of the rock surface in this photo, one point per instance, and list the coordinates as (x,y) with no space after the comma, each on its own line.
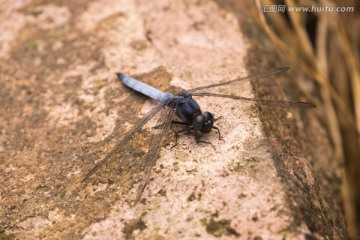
(62,109)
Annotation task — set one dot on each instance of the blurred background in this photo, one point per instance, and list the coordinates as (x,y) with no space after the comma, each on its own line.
(323,39)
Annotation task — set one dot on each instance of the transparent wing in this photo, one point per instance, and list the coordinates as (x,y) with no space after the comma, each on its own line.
(165,122)
(272,103)
(126,138)
(249,77)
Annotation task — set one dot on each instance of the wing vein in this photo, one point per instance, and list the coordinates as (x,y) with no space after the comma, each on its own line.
(155,147)
(126,138)
(249,77)
(271,103)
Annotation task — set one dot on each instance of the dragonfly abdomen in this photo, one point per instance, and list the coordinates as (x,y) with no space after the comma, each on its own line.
(144,88)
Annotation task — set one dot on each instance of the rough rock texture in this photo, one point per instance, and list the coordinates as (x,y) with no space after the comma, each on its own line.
(62,109)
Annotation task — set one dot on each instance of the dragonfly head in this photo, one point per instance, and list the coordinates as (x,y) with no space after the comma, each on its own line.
(203,122)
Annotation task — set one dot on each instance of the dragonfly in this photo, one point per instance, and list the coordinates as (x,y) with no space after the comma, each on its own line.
(188,111)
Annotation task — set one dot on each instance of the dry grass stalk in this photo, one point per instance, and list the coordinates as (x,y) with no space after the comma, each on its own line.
(333,62)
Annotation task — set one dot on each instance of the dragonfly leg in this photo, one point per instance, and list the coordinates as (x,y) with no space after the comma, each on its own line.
(218,118)
(198,140)
(177,135)
(218,130)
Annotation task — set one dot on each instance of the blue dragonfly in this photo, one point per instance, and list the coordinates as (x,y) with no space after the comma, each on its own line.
(188,111)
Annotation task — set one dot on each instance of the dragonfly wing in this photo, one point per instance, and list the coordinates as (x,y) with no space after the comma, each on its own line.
(249,77)
(165,121)
(128,135)
(271,103)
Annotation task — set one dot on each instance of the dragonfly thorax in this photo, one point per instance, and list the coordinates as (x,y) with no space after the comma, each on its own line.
(189,111)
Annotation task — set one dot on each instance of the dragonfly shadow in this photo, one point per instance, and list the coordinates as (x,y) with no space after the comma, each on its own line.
(188,111)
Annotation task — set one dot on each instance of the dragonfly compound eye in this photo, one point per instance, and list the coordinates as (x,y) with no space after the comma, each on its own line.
(207,122)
